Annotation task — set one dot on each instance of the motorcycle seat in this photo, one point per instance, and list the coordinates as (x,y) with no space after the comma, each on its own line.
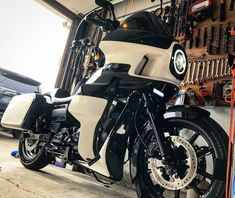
(61,100)
(58,96)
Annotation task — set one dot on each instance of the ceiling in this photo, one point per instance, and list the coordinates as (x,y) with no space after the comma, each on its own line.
(81,6)
(78,6)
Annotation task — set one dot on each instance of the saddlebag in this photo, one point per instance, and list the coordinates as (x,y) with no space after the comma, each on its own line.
(22,111)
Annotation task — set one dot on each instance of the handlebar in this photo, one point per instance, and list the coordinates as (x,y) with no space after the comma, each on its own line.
(105,24)
(97,22)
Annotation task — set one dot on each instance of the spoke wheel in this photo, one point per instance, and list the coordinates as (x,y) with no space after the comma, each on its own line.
(33,154)
(31,148)
(196,145)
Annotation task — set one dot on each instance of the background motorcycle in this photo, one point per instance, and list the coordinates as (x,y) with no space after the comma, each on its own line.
(122,107)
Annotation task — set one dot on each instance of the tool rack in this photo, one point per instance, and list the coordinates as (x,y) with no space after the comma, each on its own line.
(207,47)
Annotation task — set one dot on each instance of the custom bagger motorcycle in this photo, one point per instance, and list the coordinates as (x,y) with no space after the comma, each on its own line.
(120,115)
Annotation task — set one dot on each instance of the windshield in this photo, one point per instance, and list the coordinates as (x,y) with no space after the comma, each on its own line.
(146,21)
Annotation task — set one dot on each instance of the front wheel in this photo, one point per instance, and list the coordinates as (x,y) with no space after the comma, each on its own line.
(197,165)
(33,154)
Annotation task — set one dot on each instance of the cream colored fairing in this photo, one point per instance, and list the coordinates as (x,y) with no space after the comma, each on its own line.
(101,166)
(157,67)
(88,111)
(16,111)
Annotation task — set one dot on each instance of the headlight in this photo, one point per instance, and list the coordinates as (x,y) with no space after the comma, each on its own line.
(180,62)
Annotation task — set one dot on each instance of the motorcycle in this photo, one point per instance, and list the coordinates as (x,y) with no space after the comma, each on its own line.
(121,111)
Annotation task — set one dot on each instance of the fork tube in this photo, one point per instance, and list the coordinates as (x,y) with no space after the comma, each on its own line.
(156,123)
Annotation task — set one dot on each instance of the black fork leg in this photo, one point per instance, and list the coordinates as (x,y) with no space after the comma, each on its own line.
(157,120)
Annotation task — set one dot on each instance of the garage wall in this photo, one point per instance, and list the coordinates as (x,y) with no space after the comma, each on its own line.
(126,7)
(222,116)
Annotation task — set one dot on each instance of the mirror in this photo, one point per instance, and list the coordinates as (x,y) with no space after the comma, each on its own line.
(105,4)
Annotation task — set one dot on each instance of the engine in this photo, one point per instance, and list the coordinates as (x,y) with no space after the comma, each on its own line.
(65,134)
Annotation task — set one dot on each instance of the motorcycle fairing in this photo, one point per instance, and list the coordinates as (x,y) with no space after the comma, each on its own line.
(157,67)
(88,111)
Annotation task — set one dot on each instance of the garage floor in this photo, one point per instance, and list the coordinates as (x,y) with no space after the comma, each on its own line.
(17,181)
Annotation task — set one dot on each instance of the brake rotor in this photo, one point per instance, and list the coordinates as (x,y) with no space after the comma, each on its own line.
(174,182)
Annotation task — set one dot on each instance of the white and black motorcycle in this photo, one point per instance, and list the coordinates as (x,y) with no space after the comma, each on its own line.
(122,108)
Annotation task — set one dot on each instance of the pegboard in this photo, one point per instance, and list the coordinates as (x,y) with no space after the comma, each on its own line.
(208,76)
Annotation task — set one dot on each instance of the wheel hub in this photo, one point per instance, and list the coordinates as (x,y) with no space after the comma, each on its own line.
(31,144)
(173,181)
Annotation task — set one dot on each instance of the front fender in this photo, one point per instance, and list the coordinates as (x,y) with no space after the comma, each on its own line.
(179,111)
(186,112)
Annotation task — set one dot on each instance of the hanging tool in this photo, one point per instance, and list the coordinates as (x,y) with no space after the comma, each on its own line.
(188,22)
(222,67)
(222,10)
(170,16)
(200,10)
(217,68)
(230,160)
(188,73)
(194,69)
(180,17)
(226,38)
(225,67)
(197,37)
(176,21)
(199,67)
(203,70)
(185,24)
(191,41)
(213,68)
(208,69)
(231,5)
(210,40)
(216,47)
(228,70)
(205,37)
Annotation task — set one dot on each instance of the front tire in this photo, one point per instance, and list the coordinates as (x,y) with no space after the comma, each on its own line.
(33,154)
(209,142)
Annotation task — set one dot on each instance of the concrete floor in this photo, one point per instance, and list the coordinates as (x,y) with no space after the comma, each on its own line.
(51,182)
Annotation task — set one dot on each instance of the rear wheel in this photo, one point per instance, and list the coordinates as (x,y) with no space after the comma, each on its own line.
(33,154)
(200,149)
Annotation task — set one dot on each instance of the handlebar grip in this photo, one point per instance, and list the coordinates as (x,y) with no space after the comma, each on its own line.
(97,22)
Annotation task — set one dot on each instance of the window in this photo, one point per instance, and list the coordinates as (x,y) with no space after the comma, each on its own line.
(17,86)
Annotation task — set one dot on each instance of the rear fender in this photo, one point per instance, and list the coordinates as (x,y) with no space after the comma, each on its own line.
(179,111)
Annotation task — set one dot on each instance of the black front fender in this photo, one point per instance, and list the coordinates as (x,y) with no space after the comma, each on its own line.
(179,111)
(185,112)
